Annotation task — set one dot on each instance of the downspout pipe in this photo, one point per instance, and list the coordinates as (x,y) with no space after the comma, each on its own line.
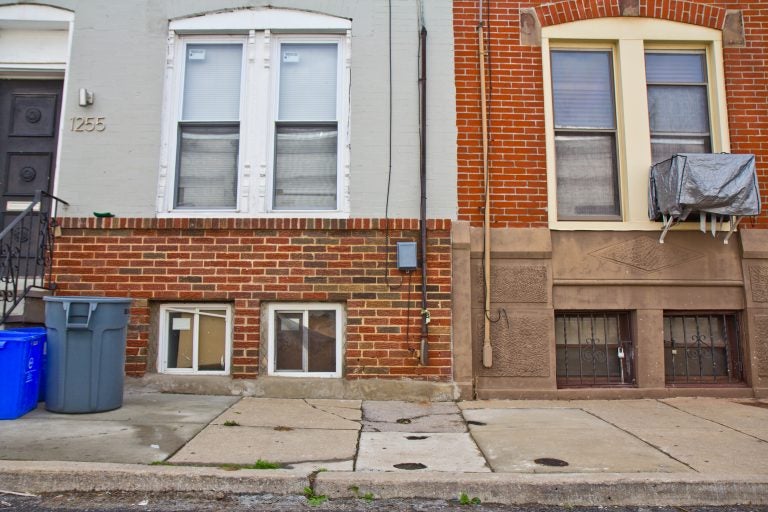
(423,206)
(487,348)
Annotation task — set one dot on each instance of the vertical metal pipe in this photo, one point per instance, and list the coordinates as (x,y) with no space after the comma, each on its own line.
(423,207)
(487,348)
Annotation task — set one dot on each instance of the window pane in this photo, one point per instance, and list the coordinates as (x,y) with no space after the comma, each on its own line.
(180,337)
(675,68)
(678,109)
(582,87)
(207,175)
(289,347)
(212,342)
(212,82)
(587,180)
(664,147)
(305,167)
(322,341)
(308,82)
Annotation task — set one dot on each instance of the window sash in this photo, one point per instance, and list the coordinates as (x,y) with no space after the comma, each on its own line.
(678,103)
(305,340)
(306,147)
(584,107)
(199,336)
(207,166)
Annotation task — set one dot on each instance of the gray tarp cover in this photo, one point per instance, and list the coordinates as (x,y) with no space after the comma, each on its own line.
(722,184)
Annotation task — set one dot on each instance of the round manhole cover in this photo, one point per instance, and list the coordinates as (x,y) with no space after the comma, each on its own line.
(547,461)
(410,465)
(416,438)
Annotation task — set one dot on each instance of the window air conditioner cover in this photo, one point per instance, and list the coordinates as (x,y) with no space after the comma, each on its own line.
(720,184)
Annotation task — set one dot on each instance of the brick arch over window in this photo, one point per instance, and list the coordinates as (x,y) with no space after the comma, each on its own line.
(683,11)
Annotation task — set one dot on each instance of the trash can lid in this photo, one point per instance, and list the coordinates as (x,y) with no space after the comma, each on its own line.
(100,300)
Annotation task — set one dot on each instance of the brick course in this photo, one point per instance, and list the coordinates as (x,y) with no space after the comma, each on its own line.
(250,261)
(516,104)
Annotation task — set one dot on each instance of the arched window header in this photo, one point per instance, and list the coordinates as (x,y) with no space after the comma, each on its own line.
(260,19)
(40,17)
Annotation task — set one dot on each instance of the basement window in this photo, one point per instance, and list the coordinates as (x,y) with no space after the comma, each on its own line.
(195,339)
(594,349)
(304,339)
(702,349)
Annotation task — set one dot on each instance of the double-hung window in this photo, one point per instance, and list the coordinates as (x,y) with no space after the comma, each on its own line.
(620,95)
(257,109)
(678,109)
(209,127)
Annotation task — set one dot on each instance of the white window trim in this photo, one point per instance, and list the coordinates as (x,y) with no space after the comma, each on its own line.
(261,31)
(629,38)
(304,307)
(193,308)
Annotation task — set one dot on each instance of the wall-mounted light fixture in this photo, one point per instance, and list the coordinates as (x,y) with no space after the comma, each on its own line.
(85,97)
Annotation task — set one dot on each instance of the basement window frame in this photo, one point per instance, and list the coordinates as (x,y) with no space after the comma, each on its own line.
(195,309)
(734,327)
(304,308)
(624,327)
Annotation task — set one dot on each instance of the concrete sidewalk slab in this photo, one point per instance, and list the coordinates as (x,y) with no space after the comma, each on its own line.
(299,448)
(147,428)
(699,439)
(294,413)
(94,441)
(747,416)
(399,416)
(383,451)
(562,441)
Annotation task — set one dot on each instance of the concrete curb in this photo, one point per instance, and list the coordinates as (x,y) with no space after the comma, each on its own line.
(639,489)
(38,477)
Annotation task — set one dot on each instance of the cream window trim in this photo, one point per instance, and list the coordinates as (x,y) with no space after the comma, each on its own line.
(629,39)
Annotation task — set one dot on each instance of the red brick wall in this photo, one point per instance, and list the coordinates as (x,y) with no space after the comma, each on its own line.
(249,261)
(516,105)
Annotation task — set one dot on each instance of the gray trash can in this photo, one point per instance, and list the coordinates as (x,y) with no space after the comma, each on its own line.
(86,353)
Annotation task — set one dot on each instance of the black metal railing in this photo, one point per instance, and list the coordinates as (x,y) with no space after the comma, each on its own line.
(26,250)
(594,349)
(702,349)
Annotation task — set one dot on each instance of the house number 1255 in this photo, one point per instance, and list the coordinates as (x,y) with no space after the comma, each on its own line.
(88,124)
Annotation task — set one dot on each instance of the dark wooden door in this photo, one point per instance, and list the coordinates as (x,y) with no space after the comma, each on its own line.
(29,127)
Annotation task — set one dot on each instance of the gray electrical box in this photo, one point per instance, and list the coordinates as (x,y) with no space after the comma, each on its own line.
(406,256)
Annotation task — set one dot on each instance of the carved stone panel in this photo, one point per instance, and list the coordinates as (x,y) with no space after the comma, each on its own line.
(733,30)
(760,340)
(646,254)
(758,281)
(520,341)
(530,28)
(511,282)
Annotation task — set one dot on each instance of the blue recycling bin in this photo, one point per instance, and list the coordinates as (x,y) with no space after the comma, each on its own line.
(37,330)
(20,362)
(85,366)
